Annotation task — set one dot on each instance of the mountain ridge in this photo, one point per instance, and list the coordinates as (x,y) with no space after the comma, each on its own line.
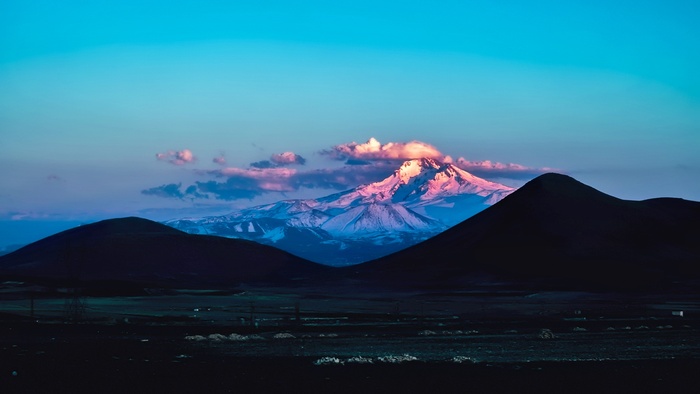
(555,226)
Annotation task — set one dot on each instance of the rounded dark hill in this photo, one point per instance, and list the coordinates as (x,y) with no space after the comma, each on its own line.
(142,251)
(557,232)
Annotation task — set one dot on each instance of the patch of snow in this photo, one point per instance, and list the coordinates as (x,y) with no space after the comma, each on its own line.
(462,359)
(359,360)
(275,235)
(284,335)
(328,361)
(217,337)
(397,359)
(237,337)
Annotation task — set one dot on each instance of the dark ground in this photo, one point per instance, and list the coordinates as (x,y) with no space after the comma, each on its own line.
(150,344)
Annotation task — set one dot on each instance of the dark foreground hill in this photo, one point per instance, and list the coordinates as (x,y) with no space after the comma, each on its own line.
(140,251)
(556,232)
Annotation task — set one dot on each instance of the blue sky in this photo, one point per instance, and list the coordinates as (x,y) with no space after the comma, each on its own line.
(90,92)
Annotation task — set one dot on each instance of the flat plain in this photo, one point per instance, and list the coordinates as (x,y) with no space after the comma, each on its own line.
(311,340)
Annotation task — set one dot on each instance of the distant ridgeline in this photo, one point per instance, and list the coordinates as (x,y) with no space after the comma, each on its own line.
(552,233)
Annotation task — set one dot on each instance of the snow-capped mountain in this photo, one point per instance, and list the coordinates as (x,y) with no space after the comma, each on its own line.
(430,188)
(419,200)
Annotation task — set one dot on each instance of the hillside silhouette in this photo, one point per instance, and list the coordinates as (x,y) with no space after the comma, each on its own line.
(557,232)
(142,251)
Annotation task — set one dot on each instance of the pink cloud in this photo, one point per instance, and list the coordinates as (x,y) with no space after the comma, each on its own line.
(490,168)
(374,150)
(256,173)
(280,159)
(265,179)
(287,158)
(489,165)
(177,158)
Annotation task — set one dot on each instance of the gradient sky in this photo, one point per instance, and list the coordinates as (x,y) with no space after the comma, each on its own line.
(91,92)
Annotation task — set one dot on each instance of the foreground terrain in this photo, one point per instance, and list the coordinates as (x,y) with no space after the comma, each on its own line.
(299,340)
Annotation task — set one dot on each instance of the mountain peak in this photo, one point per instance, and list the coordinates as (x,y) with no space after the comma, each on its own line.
(553,185)
(427,179)
(411,168)
(123,226)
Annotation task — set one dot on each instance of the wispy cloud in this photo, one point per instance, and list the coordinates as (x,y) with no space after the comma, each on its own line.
(177,158)
(487,168)
(264,179)
(17,216)
(174,190)
(344,178)
(234,188)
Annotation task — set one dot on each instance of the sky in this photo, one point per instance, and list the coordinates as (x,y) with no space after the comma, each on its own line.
(169,109)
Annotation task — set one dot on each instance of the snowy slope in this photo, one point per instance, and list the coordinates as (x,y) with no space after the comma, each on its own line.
(378,218)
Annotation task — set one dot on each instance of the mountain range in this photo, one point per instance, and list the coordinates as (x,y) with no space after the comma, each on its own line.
(553,233)
(422,198)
